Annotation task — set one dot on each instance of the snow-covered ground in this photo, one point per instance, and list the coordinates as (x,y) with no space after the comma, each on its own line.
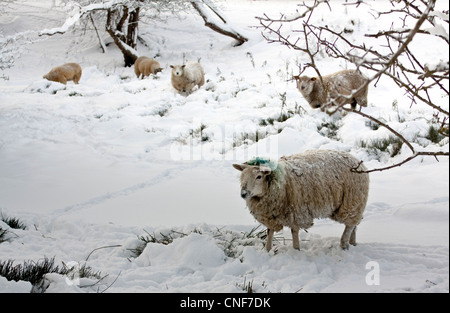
(90,168)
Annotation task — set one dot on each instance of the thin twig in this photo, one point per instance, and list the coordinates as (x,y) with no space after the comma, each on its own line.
(112,282)
(403,73)
(104,247)
(423,153)
(373,119)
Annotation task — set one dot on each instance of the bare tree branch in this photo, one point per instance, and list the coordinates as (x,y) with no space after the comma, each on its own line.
(415,155)
(199,6)
(100,40)
(122,18)
(392,58)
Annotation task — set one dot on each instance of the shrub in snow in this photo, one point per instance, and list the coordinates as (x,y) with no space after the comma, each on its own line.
(34,272)
(30,271)
(392,145)
(13,222)
(231,242)
(9,222)
(65,73)
(338,89)
(185,77)
(3,233)
(301,187)
(144,66)
(435,135)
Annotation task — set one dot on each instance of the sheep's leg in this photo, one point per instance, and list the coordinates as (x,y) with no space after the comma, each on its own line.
(295,242)
(346,236)
(269,239)
(353,237)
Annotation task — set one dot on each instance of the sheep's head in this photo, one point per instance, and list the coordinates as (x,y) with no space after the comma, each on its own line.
(305,84)
(254,180)
(177,70)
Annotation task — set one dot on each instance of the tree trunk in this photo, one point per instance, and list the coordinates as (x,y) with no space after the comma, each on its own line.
(126,44)
(132,28)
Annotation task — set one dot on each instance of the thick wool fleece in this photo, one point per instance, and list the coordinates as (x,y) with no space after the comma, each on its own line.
(338,88)
(144,66)
(315,184)
(185,77)
(65,73)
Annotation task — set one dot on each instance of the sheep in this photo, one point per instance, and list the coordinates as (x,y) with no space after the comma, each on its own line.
(339,89)
(186,77)
(65,73)
(145,66)
(299,188)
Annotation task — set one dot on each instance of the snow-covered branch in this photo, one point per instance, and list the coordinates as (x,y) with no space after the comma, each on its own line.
(203,7)
(11,47)
(72,20)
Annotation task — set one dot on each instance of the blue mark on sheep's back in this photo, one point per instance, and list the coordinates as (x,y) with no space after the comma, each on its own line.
(264,162)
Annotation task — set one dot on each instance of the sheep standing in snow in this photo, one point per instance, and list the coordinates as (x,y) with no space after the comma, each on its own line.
(64,73)
(339,89)
(301,187)
(185,77)
(145,66)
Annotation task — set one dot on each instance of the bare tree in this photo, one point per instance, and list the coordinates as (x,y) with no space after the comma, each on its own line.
(121,19)
(388,54)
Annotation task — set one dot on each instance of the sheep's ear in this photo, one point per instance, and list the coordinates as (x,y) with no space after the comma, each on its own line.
(313,79)
(265,170)
(171,66)
(240,167)
(183,66)
(296,77)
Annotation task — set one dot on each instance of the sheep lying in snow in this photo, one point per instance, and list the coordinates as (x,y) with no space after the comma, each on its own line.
(339,88)
(145,66)
(186,77)
(301,187)
(65,73)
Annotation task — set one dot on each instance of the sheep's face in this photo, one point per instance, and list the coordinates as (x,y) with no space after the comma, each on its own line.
(254,183)
(177,70)
(305,84)
(49,76)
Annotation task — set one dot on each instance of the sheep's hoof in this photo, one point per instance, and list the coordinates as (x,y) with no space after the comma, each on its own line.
(345,245)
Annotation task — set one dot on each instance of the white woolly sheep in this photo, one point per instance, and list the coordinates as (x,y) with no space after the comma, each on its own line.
(186,77)
(299,188)
(338,89)
(65,73)
(145,66)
